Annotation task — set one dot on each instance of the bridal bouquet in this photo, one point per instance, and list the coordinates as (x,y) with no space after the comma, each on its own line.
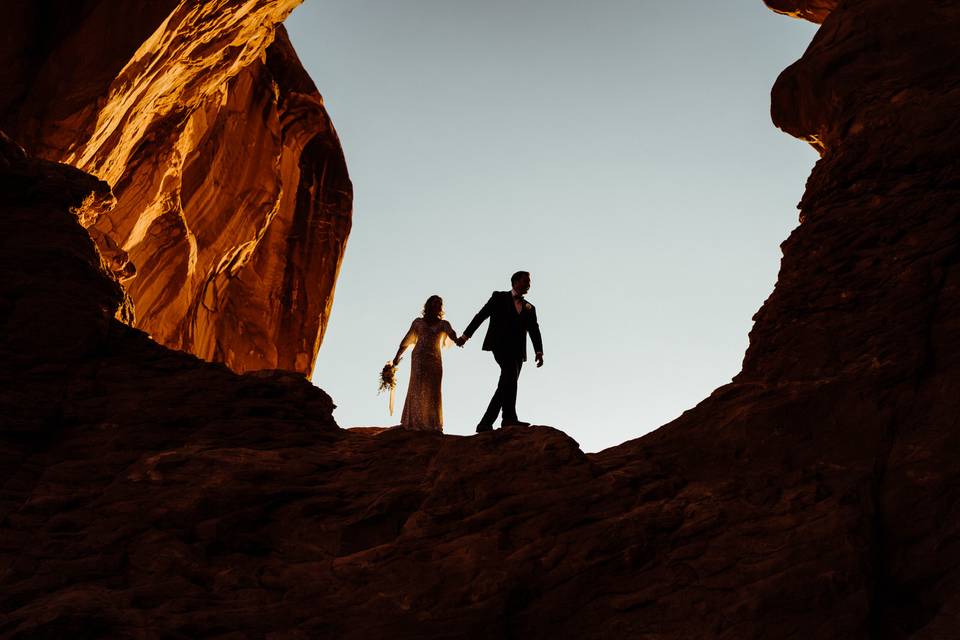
(388,381)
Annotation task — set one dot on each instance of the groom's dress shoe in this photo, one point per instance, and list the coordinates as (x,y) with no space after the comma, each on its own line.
(514,423)
(482,428)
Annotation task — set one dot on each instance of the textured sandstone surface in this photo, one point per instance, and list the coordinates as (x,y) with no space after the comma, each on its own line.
(146,494)
(232,196)
(812,10)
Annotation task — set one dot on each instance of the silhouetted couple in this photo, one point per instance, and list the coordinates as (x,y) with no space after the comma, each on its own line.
(511,319)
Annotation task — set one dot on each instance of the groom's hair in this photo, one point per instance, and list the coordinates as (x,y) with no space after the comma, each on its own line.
(519,274)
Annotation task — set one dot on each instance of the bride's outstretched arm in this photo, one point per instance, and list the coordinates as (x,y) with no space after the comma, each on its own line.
(448,329)
(409,339)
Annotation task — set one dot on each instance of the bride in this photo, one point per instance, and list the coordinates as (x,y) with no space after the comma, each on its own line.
(423,408)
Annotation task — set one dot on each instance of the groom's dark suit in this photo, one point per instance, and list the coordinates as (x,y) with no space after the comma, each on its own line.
(507,339)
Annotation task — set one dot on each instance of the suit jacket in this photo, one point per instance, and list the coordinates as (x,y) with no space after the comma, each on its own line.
(508,329)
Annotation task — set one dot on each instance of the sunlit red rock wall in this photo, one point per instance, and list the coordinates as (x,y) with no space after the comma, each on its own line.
(812,10)
(233,203)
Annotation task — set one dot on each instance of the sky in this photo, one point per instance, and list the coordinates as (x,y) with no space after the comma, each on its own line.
(619,150)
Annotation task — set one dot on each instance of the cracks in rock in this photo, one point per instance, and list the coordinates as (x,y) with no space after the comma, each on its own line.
(927,362)
(894,610)
(879,545)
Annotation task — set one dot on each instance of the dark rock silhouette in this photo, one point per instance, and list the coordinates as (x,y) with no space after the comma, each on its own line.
(148,494)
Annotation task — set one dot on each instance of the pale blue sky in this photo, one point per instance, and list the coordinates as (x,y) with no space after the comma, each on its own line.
(620,150)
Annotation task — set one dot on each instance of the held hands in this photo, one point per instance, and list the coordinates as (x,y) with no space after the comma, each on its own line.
(462,340)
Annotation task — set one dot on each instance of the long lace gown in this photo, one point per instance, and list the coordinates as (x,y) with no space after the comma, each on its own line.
(423,408)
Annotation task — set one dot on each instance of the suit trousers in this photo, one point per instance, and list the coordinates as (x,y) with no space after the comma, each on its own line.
(505,397)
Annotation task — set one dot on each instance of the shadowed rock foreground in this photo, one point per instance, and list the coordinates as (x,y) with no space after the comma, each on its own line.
(148,494)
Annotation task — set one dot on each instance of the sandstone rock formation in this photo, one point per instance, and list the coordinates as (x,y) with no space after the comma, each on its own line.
(232,196)
(148,494)
(83,397)
(812,10)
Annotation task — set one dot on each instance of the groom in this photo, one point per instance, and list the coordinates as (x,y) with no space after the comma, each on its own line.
(511,319)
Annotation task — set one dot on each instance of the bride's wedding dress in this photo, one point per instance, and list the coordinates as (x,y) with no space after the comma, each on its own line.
(423,407)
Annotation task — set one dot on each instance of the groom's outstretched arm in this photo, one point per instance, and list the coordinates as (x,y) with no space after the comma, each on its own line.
(534,329)
(482,315)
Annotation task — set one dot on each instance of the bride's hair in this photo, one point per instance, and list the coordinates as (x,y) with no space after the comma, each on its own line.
(427,315)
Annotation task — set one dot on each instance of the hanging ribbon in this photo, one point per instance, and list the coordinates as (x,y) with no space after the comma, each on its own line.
(388,380)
